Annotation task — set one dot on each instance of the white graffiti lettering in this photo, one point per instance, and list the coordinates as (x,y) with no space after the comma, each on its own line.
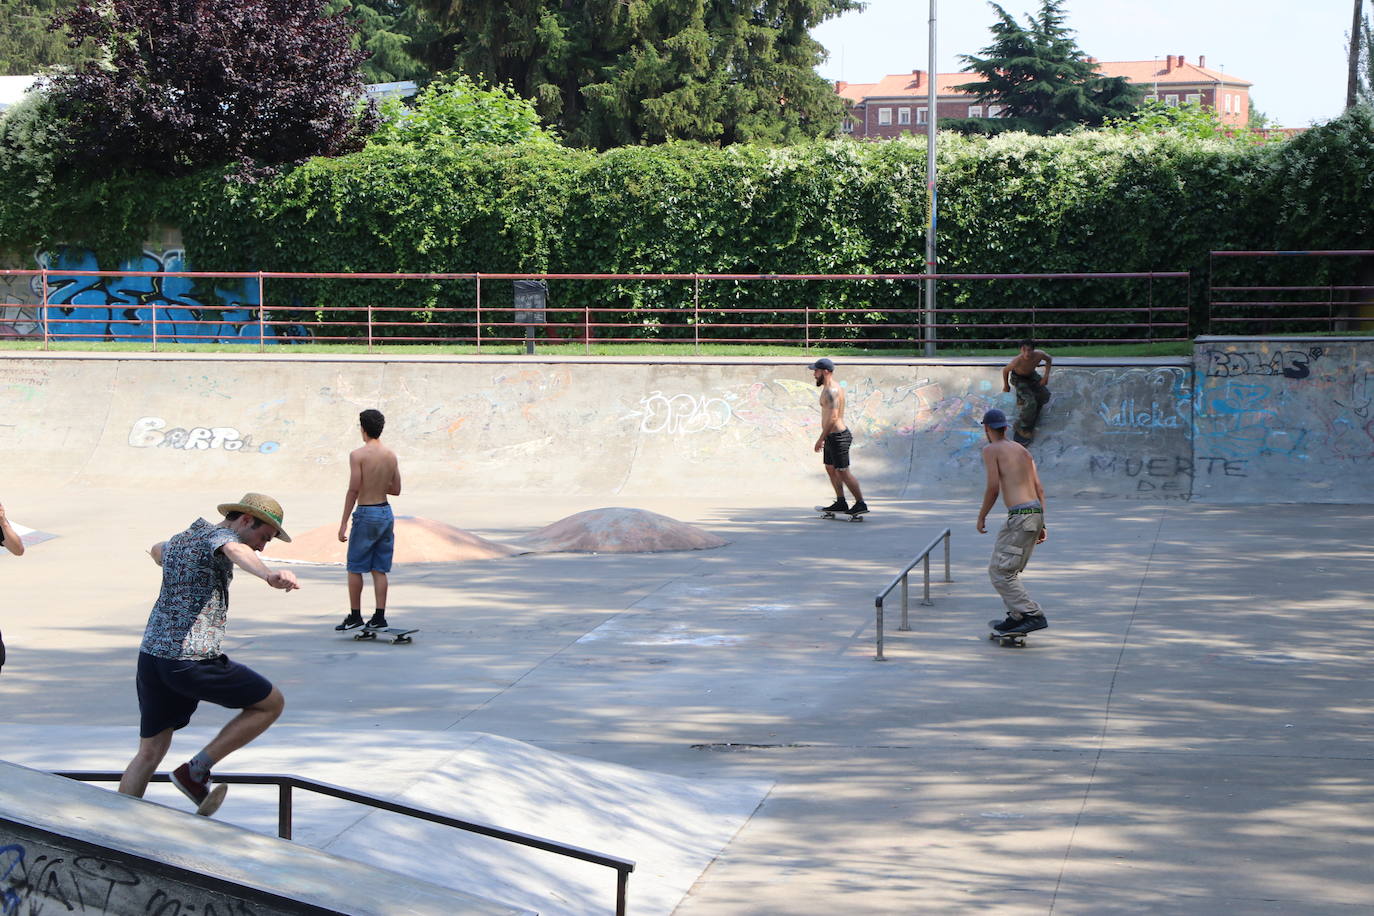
(153,432)
(682,414)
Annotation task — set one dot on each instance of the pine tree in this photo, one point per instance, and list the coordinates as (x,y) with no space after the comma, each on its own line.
(1041,78)
(613,72)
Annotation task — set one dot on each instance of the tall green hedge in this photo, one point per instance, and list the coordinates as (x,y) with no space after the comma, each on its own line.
(1091,201)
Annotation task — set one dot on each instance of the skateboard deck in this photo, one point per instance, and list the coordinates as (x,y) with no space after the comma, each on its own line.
(1009,639)
(852,517)
(397,634)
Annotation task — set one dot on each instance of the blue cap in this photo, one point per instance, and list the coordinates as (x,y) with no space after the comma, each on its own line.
(995,419)
(823,363)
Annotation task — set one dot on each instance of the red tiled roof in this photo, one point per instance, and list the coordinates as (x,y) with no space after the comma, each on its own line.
(1140,72)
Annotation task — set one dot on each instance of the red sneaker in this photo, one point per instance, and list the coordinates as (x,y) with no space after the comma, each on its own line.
(206,798)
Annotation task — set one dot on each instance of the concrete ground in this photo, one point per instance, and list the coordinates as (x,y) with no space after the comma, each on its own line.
(1191,735)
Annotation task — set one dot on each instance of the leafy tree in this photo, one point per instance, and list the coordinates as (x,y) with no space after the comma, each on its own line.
(397,35)
(1188,120)
(26,44)
(192,83)
(1040,77)
(459,111)
(615,72)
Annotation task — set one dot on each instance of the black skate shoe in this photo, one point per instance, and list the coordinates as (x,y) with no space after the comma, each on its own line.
(351,622)
(839,505)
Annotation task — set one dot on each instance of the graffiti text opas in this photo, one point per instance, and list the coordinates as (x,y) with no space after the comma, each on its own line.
(153,432)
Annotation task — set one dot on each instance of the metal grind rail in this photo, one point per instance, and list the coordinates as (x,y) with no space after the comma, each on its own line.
(285,784)
(901,579)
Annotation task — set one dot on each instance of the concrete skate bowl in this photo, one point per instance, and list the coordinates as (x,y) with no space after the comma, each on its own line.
(418,540)
(620,530)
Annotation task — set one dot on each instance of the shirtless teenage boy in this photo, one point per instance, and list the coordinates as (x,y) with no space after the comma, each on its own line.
(1032,391)
(373,475)
(835,439)
(1011,473)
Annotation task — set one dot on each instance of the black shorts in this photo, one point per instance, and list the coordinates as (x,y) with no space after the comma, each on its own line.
(170,689)
(835,452)
(2,650)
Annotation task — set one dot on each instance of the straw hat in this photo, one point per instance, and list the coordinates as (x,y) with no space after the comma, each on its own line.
(261,507)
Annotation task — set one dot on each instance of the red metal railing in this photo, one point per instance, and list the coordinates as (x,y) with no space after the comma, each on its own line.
(418,308)
(1262,307)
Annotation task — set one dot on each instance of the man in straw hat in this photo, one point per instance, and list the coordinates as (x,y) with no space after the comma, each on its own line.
(179,661)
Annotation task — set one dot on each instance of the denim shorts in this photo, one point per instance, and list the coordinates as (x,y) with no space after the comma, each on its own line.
(371,539)
(170,689)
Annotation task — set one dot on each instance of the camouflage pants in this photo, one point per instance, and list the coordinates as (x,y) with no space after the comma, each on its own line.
(1031,395)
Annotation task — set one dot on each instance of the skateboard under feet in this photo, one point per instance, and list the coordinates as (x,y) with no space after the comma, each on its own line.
(397,634)
(836,513)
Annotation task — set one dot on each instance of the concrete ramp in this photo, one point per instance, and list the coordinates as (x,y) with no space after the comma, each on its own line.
(72,848)
(1241,421)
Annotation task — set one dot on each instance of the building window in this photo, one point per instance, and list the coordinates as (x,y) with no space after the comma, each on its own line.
(884,116)
(847,127)
(1228,103)
(994,111)
(975,111)
(1193,98)
(1171,100)
(903,115)
(921,115)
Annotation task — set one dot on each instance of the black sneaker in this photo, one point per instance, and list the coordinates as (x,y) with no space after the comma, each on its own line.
(1001,626)
(839,505)
(1028,624)
(377,623)
(351,622)
(860,508)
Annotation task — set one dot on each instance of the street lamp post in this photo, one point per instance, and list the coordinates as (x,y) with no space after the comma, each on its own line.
(932,98)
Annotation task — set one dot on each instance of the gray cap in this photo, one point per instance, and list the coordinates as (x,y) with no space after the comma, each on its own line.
(823,363)
(995,419)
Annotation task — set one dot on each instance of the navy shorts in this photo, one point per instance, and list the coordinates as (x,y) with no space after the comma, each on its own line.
(170,689)
(835,451)
(2,650)
(371,539)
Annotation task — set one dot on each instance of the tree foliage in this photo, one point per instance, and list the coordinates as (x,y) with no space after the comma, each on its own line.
(456,111)
(185,84)
(397,35)
(1041,78)
(615,72)
(26,44)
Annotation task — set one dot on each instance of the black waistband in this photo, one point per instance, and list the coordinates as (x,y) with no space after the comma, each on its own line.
(1029,510)
(373,505)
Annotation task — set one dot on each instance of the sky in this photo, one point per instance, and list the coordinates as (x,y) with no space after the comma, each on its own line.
(1293,53)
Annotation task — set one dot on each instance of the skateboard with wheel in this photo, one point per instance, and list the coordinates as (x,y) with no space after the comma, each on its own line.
(1017,640)
(835,513)
(397,634)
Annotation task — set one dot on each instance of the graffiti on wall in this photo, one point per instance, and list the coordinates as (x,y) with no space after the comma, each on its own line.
(35,875)
(153,432)
(1310,406)
(173,308)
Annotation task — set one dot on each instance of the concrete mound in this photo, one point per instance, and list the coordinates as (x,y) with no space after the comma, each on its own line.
(418,540)
(619,530)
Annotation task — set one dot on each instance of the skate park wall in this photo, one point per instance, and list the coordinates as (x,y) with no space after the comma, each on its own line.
(1244,420)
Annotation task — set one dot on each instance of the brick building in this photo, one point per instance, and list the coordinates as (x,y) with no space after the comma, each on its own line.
(897,104)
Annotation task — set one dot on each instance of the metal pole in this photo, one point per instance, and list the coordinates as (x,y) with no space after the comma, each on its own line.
(44,277)
(947,578)
(479,312)
(906,625)
(262,316)
(878,606)
(696,315)
(926,561)
(284,810)
(932,98)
